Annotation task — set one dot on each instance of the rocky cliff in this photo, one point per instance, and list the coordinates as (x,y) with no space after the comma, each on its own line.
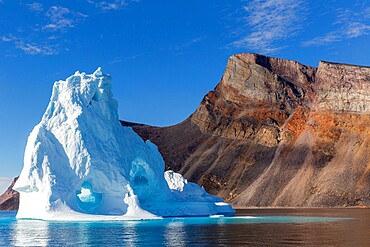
(343,88)
(9,200)
(277,133)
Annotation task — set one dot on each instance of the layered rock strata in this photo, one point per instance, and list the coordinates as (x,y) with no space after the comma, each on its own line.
(277,133)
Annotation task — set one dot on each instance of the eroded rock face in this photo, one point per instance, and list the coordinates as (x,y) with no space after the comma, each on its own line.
(9,200)
(258,79)
(277,133)
(255,97)
(343,88)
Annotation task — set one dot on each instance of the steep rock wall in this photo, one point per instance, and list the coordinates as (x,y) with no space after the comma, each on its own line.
(277,133)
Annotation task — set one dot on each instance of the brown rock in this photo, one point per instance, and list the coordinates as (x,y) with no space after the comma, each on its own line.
(9,200)
(343,88)
(277,133)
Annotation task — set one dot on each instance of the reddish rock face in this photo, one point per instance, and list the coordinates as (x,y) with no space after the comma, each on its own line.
(255,97)
(277,133)
(9,200)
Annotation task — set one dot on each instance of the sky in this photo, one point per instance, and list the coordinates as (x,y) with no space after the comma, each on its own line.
(163,55)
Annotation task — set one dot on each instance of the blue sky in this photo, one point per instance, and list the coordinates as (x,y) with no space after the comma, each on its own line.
(163,55)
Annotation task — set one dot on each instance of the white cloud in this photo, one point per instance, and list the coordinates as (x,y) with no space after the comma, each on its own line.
(349,24)
(30,48)
(35,49)
(57,13)
(4,184)
(188,43)
(61,18)
(269,22)
(46,36)
(7,38)
(329,38)
(356,29)
(35,6)
(109,5)
(121,59)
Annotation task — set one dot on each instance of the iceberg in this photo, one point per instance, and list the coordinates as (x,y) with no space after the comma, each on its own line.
(80,163)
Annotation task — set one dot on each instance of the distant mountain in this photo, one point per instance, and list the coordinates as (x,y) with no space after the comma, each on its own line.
(276,133)
(9,200)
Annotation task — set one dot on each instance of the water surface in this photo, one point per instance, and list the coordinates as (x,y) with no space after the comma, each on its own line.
(284,227)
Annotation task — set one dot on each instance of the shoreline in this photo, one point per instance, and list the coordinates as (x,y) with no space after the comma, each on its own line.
(272,208)
(264,208)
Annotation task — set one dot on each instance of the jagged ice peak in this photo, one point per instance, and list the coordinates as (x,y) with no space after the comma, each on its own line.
(81,164)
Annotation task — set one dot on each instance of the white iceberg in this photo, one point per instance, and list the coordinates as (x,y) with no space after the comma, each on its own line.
(81,164)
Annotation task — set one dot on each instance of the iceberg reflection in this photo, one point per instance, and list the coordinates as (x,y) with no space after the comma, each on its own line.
(175,234)
(30,233)
(130,234)
(44,233)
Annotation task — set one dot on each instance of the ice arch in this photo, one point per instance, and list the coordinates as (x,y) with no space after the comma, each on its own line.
(87,199)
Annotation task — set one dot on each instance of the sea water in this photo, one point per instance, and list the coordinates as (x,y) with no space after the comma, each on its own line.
(287,227)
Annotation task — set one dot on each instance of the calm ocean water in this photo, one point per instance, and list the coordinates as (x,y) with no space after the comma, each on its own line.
(285,227)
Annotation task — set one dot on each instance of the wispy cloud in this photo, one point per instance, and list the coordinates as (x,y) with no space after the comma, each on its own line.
(182,46)
(30,48)
(35,6)
(105,6)
(356,29)
(35,49)
(348,25)
(322,40)
(61,18)
(7,38)
(270,21)
(127,58)
(44,37)
(46,34)
(110,5)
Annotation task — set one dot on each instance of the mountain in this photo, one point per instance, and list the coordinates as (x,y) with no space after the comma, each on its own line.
(276,133)
(9,200)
